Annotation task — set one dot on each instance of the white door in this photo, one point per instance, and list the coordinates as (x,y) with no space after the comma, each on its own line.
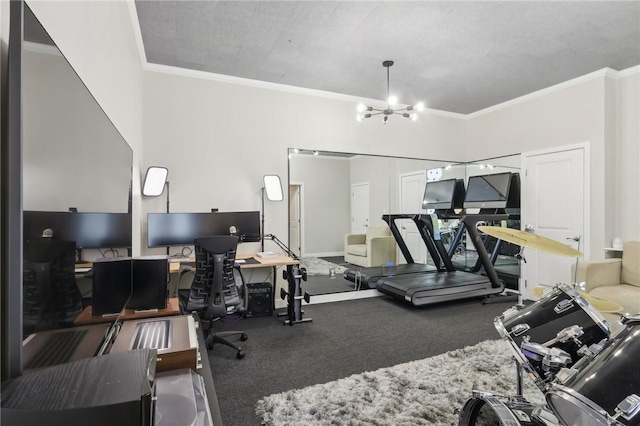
(411,195)
(295,230)
(359,208)
(554,190)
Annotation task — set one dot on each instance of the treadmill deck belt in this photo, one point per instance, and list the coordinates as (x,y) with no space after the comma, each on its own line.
(369,276)
(427,288)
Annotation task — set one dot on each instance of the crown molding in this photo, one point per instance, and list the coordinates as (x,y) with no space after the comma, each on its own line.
(137,32)
(604,72)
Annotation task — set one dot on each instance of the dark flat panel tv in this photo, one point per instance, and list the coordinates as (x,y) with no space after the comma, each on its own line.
(444,194)
(180,229)
(488,191)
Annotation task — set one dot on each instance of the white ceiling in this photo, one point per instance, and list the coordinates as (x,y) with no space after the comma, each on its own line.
(455,56)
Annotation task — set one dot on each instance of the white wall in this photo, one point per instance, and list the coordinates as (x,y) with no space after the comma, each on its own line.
(574,114)
(219,139)
(627,166)
(326,197)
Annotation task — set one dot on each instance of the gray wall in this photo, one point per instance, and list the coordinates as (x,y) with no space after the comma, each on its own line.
(326,198)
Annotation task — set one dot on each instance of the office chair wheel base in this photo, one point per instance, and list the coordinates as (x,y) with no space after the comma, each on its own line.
(240,354)
(243,337)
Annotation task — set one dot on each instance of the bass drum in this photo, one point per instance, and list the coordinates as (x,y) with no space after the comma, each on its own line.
(541,321)
(485,409)
(608,386)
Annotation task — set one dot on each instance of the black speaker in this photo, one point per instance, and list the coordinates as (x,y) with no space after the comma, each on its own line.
(259,304)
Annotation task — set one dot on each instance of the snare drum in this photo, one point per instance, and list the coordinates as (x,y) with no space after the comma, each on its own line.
(540,323)
(485,409)
(605,390)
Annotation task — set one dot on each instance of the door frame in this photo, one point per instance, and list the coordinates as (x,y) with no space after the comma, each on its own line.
(300,215)
(586,218)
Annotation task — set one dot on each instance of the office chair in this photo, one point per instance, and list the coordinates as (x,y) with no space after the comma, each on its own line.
(213,293)
(51,297)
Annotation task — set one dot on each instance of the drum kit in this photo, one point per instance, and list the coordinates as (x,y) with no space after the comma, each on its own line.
(587,373)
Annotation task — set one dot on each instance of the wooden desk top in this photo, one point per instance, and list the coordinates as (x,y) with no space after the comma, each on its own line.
(86,317)
(279,260)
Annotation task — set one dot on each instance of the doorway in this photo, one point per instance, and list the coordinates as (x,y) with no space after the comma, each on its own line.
(359,208)
(295,219)
(556,194)
(411,195)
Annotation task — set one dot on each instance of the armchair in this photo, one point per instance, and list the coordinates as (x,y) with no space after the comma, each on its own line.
(213,293)
(374,248)
(617,280)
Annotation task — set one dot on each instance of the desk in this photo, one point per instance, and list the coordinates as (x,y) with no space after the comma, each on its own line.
(258,262)
(275,261)
(85,317)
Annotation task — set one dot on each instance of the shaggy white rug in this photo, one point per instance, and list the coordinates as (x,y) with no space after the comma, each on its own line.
(316,266)
(423,392)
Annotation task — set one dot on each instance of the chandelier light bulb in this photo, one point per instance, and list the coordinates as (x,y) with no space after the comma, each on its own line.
(365,111)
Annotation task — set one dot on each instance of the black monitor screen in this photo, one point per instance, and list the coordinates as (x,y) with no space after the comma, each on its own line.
(488,191)
(88,230)
(439,194)
(102,230)
(180,229)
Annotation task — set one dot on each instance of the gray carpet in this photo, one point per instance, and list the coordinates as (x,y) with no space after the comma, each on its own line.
(423,392)
(344,338)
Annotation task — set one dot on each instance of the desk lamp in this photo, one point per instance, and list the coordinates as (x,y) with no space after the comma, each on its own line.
(273,189)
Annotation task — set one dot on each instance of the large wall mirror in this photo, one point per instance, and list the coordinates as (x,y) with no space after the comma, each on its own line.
(336,198)
(73,159)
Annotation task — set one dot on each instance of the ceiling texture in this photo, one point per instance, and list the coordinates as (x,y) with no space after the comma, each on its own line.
(455,56)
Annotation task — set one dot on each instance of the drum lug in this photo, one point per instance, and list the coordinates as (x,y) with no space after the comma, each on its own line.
(562,306)
(628,407)
(520,329)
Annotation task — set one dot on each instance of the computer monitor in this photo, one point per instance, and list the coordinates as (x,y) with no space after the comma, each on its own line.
(180,229)
(101,230)
(88,230)
(245,224)
(488,191)
(445,194)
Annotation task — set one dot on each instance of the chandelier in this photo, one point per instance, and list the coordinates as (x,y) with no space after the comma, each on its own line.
(365,111)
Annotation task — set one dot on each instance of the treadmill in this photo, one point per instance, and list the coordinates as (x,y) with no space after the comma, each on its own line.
(445,195)
(488,192)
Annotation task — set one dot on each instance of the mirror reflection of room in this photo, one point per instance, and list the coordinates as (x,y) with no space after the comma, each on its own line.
(357,193)
(325,223)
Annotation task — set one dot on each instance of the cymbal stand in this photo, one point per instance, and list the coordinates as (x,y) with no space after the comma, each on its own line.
(519,389)
(575,272)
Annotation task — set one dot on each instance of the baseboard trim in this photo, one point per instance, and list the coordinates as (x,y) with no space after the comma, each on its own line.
(344,296)
(326,254)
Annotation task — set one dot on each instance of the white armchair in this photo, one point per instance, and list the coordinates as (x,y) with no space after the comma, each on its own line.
(375,248)
(617,280)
